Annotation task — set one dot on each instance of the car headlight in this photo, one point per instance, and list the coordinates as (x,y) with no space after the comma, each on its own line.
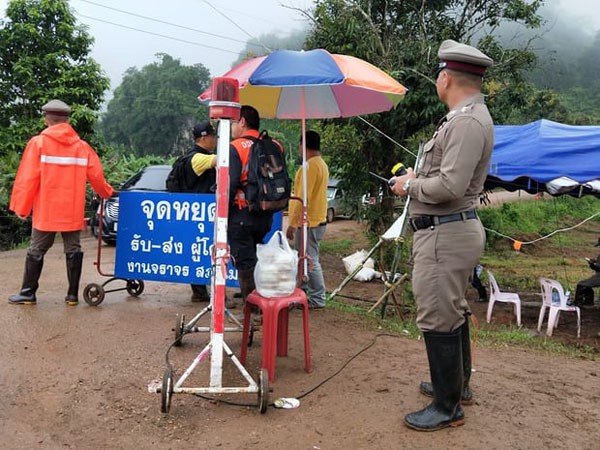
(111,209)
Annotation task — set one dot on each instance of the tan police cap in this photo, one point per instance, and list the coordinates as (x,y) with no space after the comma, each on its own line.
(56,107)
(463,57)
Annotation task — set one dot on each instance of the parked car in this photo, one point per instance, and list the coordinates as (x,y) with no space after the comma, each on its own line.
(337,203)
(151,178)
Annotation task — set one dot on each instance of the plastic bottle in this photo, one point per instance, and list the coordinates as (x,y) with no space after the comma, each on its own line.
(286,403)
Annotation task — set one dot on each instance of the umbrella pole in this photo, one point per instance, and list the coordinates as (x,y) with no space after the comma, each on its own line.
(304,269)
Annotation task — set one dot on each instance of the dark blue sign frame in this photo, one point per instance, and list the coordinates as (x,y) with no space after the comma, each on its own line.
(168,237)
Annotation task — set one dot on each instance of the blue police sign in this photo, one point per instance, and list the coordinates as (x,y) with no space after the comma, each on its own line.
(168,237)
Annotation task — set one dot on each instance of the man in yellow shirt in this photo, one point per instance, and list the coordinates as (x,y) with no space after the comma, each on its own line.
(317,179)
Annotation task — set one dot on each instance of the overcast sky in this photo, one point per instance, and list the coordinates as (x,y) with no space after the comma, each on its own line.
(220,28)
(225,27)
(210,32)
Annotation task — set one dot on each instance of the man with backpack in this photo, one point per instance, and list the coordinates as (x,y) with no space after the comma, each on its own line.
(195,172)
(248,223)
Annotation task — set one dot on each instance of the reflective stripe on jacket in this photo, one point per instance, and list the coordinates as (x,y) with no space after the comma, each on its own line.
(242,147)
(51,179)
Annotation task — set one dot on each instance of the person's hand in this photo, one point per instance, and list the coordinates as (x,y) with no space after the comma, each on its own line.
(398,186)
(291,233)
(22,217)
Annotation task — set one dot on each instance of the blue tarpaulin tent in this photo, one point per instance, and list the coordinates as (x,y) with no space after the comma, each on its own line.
(535,155)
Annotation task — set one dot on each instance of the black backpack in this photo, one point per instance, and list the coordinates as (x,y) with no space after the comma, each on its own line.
(174,182)
(269,186)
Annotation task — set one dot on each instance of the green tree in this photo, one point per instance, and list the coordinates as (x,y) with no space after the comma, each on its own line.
(155,108)
(402,38)
(44,54)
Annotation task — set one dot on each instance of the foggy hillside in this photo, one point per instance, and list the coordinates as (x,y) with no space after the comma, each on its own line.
(568,54)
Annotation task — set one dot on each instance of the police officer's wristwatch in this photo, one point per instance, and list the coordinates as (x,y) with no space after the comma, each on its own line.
(406,185)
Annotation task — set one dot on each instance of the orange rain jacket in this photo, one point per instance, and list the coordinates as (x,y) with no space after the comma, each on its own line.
(52,176)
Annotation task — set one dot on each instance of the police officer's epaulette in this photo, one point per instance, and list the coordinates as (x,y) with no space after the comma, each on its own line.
(465,109)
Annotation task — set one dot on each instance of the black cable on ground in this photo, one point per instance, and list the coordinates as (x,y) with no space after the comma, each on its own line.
(314,388)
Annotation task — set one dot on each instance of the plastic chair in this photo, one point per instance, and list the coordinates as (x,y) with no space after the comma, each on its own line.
(548,286)
(507,297)
(275,327)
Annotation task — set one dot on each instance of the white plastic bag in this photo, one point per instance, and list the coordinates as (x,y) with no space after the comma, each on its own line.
(277,267)
(367,273)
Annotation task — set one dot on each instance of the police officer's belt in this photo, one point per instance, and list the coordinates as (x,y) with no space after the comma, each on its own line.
(418,223)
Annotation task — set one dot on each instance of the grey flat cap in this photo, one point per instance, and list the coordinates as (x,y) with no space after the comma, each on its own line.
(463,57)
(56,107)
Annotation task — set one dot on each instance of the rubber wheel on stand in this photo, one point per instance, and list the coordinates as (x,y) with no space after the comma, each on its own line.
(179,329)
(135,287)
(263,391)
(93,294)
(166,393)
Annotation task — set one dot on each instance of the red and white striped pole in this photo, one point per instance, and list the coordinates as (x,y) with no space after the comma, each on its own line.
(224,106)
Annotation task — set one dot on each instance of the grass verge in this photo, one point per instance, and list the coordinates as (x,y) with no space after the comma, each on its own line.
(506,337)
(336,247)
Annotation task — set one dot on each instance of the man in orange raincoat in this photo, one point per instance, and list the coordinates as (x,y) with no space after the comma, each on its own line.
(51,181)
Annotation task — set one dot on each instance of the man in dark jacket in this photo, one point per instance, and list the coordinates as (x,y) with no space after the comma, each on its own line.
(198,175)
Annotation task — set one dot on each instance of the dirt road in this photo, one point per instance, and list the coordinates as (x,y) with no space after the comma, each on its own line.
(76,377)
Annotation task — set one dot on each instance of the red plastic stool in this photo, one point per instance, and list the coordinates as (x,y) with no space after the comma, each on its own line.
(275,322)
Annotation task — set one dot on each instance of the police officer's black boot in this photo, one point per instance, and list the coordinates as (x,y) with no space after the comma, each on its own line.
(199,293)
(467,394)
(31,276)
(74,264)
(444,351)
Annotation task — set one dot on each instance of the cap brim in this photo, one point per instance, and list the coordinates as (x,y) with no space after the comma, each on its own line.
(57,113)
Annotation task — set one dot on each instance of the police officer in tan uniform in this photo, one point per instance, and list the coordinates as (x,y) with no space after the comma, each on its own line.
(448,236)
